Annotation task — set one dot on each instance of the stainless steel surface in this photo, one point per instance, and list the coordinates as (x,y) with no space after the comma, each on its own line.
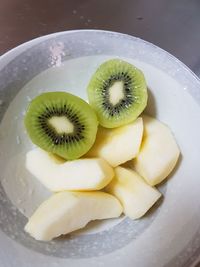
(172,25)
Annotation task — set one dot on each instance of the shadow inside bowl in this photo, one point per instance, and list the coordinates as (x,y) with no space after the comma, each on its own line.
(151,108)
(174,171)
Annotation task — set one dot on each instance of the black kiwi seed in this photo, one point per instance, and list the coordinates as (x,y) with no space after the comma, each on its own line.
(127,109)
(70,134)
(56,138)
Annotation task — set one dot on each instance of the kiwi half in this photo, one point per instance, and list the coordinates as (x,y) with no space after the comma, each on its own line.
(61,123)
(117,92)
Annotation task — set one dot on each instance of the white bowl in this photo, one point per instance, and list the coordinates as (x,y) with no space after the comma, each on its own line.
(170,234)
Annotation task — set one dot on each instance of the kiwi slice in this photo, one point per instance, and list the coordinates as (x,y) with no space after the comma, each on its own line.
(61,123)
(117,92)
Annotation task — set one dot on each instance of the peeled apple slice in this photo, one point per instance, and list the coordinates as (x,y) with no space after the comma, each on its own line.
(118,145)
(57,175)
(66,212)
(135,195)
(159,152)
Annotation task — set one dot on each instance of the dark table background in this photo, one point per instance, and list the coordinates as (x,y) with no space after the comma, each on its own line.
(174,25)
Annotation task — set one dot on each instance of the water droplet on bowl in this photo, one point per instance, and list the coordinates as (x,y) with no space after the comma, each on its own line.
(28,98)
(18,140)
(30,192)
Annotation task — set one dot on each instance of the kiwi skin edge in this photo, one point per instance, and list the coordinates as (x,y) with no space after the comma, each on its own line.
(134,90)
(68,146)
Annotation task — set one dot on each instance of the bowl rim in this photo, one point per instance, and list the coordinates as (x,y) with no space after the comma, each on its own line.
(5,56)
(12,53)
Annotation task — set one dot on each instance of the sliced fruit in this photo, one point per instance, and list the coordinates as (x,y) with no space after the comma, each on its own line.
(117,92)
(57,175)
(135,195)
(159,152)
(61,123)
(66,212)
(118,145)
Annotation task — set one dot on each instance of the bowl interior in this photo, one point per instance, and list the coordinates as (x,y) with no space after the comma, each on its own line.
(65,62)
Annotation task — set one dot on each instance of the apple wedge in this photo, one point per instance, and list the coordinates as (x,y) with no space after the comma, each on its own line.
(159,152)
(118,145)
(135,195)
(58,175)
(66,212)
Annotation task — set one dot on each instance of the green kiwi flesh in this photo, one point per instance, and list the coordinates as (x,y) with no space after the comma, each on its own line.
(117,92)
(61,123)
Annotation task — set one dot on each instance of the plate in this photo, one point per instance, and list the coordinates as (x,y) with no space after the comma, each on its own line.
(170,234)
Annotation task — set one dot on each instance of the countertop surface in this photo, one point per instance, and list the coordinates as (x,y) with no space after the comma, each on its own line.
(172,25)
